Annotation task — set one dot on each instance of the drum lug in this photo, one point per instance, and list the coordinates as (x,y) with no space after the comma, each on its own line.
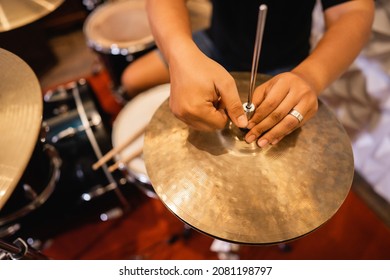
(111,214)
(59,94)
(90,5)
(130,58)
(98,191)
(66,133)
(71,131)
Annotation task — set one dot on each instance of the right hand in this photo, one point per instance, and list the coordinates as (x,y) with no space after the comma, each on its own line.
(203,94)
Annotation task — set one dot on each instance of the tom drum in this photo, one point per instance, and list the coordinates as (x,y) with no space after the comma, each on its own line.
(133,118)
(78,127)
(119,33)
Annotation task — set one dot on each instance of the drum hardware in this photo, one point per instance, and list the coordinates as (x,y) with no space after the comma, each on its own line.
(111,214)
(90,5)
(32,199)
(16,13)
(59,94)
(248,106)
(95,146)
(58,101)
(98,191)
(233,191)
(19,250)
(71,131)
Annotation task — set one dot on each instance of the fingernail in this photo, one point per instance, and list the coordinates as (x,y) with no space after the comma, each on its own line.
(262,143)
(250,138)
(242,121)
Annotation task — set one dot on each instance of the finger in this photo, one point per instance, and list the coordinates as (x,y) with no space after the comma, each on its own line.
(227,89)
(203,113)
(284,127)
(216,118)
(287,125)
(266,101)
(271,119)
(208,119)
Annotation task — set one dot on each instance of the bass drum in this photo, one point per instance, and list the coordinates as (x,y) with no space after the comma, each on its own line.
(132,120)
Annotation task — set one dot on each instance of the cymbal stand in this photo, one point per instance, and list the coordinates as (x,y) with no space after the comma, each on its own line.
(249,106)
(19,250)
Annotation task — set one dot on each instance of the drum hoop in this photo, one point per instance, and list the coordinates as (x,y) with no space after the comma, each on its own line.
(90,135)
(134,174)
(109,47)
(122,48)
(55,163)
(137,178)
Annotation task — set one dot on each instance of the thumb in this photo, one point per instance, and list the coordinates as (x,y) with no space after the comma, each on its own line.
(230,99)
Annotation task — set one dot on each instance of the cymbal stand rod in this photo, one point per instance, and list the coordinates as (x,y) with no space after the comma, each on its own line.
(248,106)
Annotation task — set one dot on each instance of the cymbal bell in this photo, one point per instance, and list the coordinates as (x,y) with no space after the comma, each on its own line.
(237,192)
(16,13)
(20,120)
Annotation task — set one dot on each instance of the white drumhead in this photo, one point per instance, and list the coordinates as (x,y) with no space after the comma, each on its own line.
(120,26)
(135,116)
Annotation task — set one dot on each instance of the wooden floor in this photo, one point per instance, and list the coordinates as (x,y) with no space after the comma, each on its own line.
(150,231)
(146,229)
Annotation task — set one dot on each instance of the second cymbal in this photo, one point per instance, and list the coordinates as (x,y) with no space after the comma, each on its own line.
(240,193)
(16,13)
(20,120)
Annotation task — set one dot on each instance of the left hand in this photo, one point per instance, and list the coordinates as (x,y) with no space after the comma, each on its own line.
(273,101)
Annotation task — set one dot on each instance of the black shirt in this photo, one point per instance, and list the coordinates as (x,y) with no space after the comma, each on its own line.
(286,40)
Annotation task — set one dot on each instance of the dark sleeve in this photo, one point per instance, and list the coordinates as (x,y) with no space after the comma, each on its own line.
(329,3)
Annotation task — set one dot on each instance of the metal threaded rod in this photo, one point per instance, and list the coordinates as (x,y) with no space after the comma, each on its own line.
(256,53)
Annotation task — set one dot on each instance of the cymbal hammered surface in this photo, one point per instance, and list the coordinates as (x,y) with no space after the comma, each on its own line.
(240,193)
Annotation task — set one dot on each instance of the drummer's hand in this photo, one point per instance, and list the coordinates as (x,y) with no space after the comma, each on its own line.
(201,90)
(273,101)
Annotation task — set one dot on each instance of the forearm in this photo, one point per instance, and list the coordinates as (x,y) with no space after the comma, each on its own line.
(348,29)
(170,25)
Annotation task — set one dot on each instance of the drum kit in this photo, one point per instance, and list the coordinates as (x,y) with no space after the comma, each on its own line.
(214,182)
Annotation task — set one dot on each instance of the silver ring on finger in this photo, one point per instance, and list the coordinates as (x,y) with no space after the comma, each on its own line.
(296,114)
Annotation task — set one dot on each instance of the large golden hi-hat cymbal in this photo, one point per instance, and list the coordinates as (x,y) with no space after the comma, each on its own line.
(16,13)
(237,192)
(20,120)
